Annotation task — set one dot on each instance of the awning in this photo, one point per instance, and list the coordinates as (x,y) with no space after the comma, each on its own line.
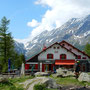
(64,62)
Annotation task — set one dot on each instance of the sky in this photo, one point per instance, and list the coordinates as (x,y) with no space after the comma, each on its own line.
(28,18)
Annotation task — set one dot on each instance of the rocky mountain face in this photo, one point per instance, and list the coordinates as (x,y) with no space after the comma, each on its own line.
(76,31)
(19,47)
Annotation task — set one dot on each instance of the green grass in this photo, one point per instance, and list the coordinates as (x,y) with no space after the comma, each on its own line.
(21,79)
(41,87)
(9,86)
(13,84)
(89,73)
(69,81)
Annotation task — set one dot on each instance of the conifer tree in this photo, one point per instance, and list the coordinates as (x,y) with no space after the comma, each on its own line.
(6,44)
(7,50)
(19,59)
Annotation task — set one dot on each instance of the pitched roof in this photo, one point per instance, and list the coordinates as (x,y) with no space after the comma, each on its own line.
(50,47)
(74,48)
(41,51)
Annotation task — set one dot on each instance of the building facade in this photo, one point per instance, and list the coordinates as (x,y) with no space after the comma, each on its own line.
(57,55)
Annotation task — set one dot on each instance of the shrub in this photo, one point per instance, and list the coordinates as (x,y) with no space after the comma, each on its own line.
(39,87)
(12,87)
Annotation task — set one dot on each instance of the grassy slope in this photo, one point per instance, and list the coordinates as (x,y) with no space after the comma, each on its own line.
(70,81)
(13,84)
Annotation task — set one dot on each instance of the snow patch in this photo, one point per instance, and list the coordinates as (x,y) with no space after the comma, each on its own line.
(30,47)
(80,25)
(51,40)
(86,33)
(35,41)
(77,37)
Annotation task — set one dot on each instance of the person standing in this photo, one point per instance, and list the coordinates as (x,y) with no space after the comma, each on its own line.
(77,69)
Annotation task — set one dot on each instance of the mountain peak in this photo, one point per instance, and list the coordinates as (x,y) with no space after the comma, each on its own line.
(87,17)
(75,31)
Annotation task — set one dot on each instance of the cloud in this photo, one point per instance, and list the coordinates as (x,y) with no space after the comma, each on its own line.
(58,13)
(33,23)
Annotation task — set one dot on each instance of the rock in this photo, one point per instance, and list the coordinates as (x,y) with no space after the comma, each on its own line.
(82,88)
(57,75)
(84,77)
(63,73)
(50,83)
(59,71)
(3,79)
(72,88)
(41,74)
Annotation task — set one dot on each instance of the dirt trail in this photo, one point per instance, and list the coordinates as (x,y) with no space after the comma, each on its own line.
(29,84)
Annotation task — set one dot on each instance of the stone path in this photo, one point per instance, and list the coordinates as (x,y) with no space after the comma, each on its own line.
(29,84)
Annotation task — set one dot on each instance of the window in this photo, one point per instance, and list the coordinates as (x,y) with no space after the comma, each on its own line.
(63,56)
(84,58)
(31,66)
(78,56)
(49,56)
(70,49)
(54,47)
(57,47)
(63,44)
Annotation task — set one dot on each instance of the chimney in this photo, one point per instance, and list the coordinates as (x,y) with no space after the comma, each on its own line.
(44,47)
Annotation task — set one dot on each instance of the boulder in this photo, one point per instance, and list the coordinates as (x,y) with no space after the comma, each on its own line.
(63,73)
(69,73)
(41,74)
(3,79)
(59,71)
(84,77)
(57,75)
(50,83)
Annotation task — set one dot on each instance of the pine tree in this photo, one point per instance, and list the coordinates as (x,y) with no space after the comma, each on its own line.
(7,50)
(22,58)
(19,59)
(6,44)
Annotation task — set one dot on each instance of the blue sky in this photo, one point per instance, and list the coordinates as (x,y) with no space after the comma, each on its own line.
(31,17)
(20,12)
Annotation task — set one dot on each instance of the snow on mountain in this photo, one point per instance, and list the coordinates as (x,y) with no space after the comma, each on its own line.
(86,33)
(19,47)
(76,31)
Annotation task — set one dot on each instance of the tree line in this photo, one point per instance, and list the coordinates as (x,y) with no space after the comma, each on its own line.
(7,49)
